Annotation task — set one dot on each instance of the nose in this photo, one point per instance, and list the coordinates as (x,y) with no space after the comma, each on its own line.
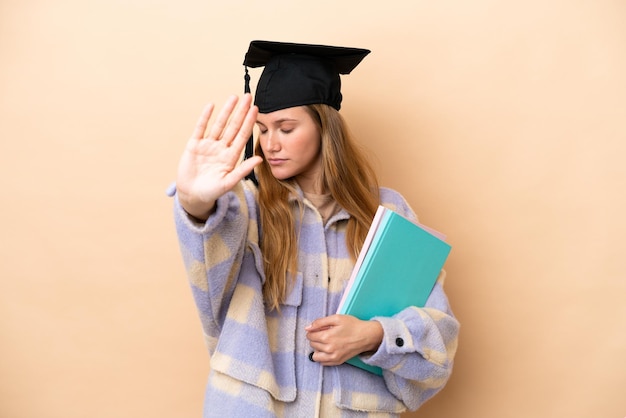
(270,142)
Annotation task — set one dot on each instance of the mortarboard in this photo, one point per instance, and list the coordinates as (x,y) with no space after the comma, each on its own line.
(298,74)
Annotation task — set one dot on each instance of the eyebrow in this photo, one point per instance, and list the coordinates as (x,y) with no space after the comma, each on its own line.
(278,121)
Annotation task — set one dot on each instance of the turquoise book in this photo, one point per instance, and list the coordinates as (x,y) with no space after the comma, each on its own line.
(397,267)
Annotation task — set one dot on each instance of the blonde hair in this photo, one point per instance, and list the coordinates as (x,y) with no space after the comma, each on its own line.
(346,174)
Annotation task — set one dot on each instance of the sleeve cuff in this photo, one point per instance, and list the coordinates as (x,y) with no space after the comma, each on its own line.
(397,340)
(226,207)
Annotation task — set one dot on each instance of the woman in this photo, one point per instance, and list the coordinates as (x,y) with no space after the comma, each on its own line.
(268,263)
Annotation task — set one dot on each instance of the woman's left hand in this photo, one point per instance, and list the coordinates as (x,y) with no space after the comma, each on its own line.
(337,338)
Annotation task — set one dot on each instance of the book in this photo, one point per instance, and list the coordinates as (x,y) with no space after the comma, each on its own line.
(397,267)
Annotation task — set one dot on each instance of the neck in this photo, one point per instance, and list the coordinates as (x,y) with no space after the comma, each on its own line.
(310,184)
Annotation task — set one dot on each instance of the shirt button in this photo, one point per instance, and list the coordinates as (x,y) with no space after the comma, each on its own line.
(399,342)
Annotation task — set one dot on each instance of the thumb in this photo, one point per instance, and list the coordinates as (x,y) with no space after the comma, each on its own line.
(248,165)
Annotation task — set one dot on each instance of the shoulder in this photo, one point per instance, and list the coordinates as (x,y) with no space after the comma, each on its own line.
(393,200)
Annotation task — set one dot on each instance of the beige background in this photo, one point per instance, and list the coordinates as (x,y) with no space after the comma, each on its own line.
(503,123)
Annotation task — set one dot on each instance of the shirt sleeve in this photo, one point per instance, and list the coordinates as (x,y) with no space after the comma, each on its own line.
(212,253)
(418,349)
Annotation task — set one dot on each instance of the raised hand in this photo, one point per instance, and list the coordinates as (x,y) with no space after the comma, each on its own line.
(209,166)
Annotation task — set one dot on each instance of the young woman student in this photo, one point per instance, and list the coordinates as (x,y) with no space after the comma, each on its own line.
(269,244)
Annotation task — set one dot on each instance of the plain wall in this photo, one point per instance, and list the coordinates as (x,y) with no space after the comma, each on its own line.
(503,124)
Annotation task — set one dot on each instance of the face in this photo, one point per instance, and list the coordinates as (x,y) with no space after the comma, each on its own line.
(291,143)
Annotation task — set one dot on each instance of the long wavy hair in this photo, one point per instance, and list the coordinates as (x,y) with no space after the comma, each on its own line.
(346,174)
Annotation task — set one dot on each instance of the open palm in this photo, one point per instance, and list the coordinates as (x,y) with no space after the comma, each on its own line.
(209,166)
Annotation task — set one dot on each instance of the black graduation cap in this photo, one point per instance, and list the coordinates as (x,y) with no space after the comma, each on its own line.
(298,74)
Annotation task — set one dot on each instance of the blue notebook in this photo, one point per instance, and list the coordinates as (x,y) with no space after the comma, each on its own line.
(396,268)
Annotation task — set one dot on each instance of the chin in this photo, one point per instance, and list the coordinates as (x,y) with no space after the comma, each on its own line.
(281,175)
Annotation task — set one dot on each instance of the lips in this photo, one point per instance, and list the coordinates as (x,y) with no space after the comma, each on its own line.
(276,161)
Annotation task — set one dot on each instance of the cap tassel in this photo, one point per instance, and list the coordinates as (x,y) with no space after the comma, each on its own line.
(249,152)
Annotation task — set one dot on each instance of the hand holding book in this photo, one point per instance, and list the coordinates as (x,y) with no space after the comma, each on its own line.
(337,338)
(397,268)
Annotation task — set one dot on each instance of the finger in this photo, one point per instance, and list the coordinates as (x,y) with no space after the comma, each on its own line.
(239,119)
(240,171)
(321,324)
(318,349)
(222,118)
(203,121)
(319,346)
(245,131)
(325,359)
(243,169)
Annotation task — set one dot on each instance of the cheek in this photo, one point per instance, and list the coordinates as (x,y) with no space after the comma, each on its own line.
(312,156)
(311,146)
